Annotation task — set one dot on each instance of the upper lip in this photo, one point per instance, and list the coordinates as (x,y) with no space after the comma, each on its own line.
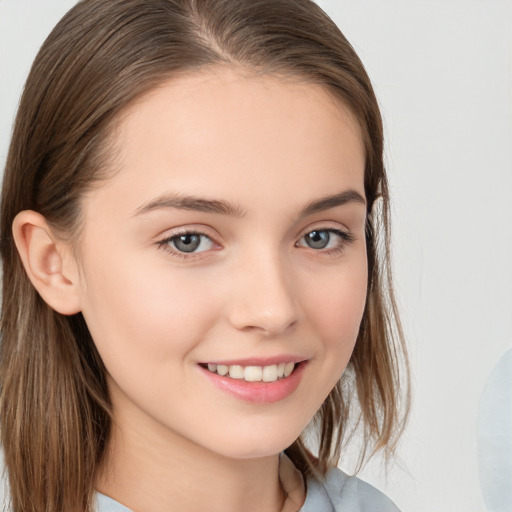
(259,361)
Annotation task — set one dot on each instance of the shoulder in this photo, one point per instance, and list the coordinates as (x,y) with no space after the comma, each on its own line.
(102,503)
(4,485)
(340,492)
(106,504)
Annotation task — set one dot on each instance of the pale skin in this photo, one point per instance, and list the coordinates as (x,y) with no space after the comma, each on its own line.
(263,153)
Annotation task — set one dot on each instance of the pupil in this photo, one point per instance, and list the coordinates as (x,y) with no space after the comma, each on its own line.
(187,243)
(318,239)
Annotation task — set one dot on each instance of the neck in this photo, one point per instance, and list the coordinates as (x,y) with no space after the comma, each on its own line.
(147,469)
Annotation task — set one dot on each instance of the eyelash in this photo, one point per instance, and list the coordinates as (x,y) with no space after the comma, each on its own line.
(345,239)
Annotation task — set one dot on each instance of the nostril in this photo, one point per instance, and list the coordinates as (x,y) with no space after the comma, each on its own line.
(268,321)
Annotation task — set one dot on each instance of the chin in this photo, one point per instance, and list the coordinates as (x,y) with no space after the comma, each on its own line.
(265,443)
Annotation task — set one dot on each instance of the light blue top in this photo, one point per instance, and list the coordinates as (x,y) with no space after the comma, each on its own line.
(494,437)
(337,493)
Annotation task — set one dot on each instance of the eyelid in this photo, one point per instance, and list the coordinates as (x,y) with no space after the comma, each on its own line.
(325,225)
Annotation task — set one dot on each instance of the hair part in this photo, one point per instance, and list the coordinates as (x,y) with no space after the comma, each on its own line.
(55,411)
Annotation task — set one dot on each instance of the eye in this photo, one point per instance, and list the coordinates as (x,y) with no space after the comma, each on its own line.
(322,239)
(188,243)
(317,239)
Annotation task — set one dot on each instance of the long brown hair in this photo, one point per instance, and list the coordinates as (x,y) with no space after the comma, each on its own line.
(54,403)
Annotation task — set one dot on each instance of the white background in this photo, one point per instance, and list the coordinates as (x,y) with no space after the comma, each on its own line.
(443,73)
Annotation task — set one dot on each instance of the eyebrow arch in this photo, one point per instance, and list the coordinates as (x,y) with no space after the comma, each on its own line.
(186,202)
(200,204)
(320,205)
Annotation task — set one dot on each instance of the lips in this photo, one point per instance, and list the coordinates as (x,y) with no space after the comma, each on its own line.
(257,383)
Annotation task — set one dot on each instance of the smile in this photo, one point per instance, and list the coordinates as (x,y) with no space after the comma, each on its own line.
(253,383)
(270,373)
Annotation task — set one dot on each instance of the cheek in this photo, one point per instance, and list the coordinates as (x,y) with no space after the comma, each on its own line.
(144,312)
(337,309)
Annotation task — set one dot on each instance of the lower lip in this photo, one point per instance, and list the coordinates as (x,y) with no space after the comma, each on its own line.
(258,392)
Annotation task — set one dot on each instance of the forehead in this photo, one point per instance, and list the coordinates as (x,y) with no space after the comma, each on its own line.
(208,131)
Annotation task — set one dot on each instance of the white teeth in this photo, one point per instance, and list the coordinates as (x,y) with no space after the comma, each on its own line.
(236,371)
(288,369)
(253,373)
(269,373)
(222,369)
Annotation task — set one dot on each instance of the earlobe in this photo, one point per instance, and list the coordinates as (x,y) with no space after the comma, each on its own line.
(49,263)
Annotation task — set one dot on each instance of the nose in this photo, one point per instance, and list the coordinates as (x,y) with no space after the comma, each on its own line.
(263,297)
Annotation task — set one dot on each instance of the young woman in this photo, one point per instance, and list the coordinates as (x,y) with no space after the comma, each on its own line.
(196,271)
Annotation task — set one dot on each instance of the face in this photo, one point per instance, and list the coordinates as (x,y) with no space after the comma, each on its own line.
(230,239)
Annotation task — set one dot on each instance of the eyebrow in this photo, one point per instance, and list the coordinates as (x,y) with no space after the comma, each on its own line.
(200,204)
(185,202)
(326,203)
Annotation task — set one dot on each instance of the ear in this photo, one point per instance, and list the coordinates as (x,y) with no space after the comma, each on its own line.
(49,263)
